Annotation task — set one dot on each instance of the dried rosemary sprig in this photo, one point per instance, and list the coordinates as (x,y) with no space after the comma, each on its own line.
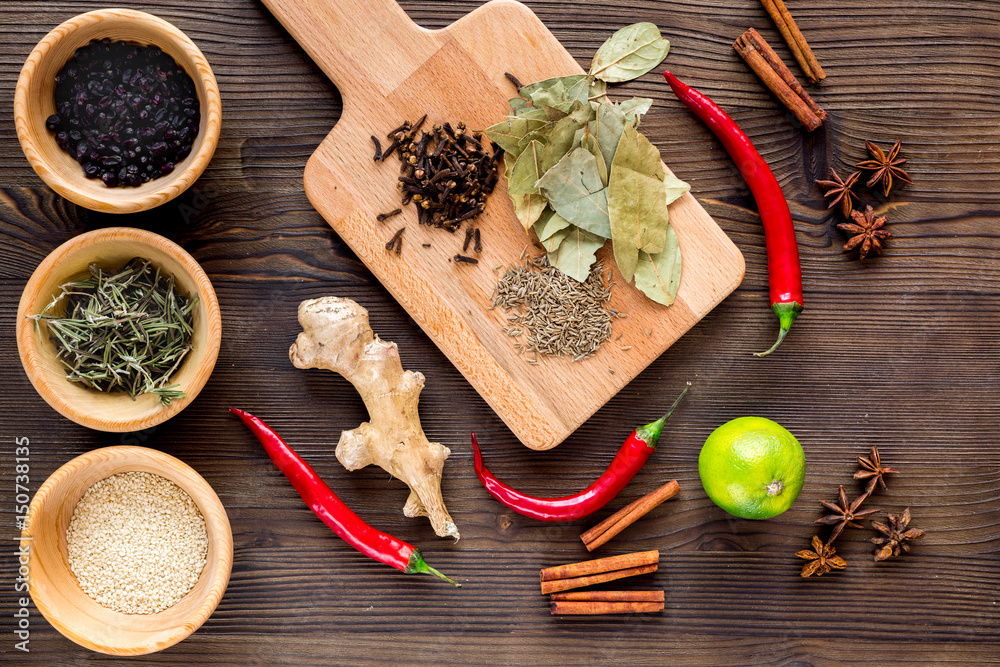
(127,330)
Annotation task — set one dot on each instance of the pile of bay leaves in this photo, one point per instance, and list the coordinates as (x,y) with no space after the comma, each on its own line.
(579,172)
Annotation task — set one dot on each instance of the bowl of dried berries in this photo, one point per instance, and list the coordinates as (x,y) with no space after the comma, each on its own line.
(129,550)
(117,110)
(119,329)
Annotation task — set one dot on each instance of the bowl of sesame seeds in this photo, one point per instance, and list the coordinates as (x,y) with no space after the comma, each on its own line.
(129,550)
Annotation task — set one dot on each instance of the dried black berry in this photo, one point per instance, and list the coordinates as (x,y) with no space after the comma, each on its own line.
(127,113)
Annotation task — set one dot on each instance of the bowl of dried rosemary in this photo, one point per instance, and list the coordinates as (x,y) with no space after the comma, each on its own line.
(118,329)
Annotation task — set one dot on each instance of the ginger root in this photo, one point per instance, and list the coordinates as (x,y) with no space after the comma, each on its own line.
(336,336)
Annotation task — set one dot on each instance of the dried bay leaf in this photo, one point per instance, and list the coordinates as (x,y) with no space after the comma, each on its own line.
(508,133)
(554,95)
(636,202)
(629,53)
(509,160)
(586,140)
(535,114)
(608,129)
(526,171)
(576,254)
(519,104)
(582,113)
(635,108)
(542,132)
(673,187)
(561,140)
(552,243)
(587,89)
(577,170)
(563,84)
(574,189)
(552,113)
(528,208)
(658,276)
(548,223)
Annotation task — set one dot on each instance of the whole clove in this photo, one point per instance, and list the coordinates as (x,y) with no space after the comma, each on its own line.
(479,241)
(446,172)
(378,148)
(466,260)
(396,242)
(382,217)
(514,80)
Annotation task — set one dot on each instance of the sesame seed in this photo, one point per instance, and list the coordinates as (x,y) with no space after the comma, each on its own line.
(136,543)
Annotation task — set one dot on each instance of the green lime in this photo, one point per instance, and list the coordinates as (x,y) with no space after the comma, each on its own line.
(752,467)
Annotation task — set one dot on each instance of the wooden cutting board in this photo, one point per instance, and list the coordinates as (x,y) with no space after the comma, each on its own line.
(388,69)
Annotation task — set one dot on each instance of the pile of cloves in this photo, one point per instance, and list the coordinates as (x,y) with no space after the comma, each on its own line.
(446,173)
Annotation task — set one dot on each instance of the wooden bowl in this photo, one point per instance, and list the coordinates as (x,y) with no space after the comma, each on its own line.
(110,248)
(54,588)
(34,101)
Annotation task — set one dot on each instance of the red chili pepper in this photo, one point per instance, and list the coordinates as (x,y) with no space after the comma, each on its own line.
(784,273)
(332,511)
(632,455)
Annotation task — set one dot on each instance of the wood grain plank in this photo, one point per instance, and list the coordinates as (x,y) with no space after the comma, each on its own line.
(899,352)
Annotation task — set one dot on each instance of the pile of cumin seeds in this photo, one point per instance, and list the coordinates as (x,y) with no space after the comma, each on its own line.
(557,315)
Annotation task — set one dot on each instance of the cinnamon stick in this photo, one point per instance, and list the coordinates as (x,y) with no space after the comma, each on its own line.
(609,596)
(556,585)
(595,607)
(782,70)
(601,565)
(625,517)
(796,41)
(779,79)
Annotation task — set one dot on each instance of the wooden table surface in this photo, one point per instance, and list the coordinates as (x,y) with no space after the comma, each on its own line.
(898,351)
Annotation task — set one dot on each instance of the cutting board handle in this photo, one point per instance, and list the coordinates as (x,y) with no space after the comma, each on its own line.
(360,44)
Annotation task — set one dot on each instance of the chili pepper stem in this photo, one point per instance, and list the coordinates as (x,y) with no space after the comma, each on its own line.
(418,565)
(786,312)
(650,433)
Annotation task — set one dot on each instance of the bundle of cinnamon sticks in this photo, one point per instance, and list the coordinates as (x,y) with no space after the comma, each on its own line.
(762,59)
(561,578)
(779,79)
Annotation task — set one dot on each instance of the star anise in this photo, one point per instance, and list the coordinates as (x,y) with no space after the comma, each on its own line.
(821,559)
(884,167)
(873,470)
(841,191)
(844,514)
(868,232)
(896,535)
